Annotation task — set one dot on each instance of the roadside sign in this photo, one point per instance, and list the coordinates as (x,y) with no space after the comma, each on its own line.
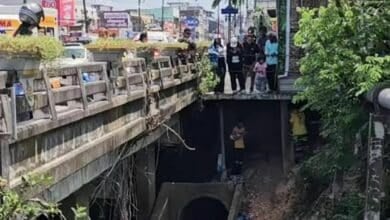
(115,19)
(191,22)
(126,33)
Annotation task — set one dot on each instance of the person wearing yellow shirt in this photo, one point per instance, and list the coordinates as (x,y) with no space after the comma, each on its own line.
(237,137)
(298,123)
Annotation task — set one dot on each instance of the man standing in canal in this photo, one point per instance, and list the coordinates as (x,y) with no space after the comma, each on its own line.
(237,137)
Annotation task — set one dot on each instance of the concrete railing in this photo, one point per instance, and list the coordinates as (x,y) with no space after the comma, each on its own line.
(72,112)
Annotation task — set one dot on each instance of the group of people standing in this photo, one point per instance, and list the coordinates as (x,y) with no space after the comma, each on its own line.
(254,58)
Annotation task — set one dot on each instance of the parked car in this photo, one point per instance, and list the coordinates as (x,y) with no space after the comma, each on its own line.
(75,53)
(155,36)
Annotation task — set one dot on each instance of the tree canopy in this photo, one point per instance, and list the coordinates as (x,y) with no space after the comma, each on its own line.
(346,53)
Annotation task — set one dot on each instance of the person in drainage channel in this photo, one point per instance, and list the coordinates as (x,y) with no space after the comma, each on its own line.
(234,60)
(217,58)
(237,137)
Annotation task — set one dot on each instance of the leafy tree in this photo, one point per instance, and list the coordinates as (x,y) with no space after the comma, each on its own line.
(16,204)
(208,79)
(346,46)
(346,53)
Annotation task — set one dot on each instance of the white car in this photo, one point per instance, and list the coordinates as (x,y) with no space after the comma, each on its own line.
(75,53)
(155,37)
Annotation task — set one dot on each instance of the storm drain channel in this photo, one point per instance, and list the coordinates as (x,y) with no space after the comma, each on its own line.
(194,201)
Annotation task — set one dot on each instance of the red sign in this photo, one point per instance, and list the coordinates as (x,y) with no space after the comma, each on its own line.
(66,13)
(5,23)
(49,3)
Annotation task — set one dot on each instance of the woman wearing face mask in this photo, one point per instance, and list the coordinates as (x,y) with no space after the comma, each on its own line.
(234,60)
(217,58)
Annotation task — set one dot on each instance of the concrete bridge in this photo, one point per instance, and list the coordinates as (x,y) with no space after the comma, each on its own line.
(77,128)
(74,130)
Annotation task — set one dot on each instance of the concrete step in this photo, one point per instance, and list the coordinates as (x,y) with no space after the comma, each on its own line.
(287,81)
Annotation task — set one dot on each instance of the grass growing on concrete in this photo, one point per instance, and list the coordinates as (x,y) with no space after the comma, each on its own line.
(42,47)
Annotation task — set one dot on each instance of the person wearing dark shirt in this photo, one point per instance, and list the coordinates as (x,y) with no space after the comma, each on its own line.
(262,39)
(143,38)
(234,60)
(250,50)
(191,48)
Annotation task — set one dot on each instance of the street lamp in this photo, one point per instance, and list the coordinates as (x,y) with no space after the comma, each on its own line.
(229,10)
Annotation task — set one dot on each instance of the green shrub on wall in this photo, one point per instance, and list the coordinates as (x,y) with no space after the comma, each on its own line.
(42,47)
(16,204)
(208,79)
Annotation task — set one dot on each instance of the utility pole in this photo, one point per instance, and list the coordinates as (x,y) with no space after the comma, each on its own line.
(85,17)
(162,15)
(222,140)
(139,17)
(219,19)
(247,12)
(241,16)
(230,23)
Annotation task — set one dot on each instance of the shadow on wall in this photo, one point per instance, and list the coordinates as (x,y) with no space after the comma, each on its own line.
(262,122)
(202,130)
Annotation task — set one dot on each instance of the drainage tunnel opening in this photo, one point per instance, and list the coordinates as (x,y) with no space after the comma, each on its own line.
(204,209)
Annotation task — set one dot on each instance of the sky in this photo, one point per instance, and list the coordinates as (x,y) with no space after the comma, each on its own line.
(125,4)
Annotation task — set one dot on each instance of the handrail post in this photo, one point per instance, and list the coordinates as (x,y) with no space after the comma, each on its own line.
(108,84)
(82,88)
(5,156)
(52,104)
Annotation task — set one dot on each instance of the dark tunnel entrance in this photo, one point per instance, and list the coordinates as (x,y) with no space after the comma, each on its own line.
(204,209)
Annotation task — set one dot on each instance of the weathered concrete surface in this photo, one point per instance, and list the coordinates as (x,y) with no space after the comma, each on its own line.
(82,143)
(245,96)
(286,143)
(86,174)
(173,197)
(235,207)
(146,181)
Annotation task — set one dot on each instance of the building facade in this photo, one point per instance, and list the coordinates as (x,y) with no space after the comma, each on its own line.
(201,30)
